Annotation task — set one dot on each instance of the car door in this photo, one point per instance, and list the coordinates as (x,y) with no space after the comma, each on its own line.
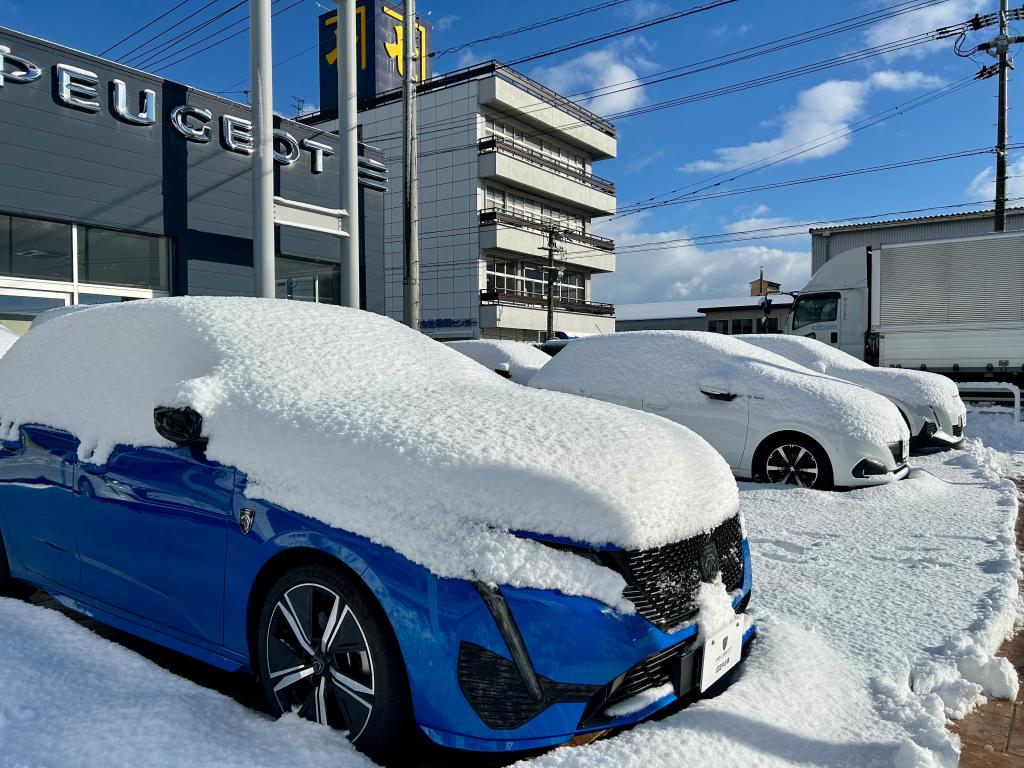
(152,536)
(719,417)
(36,503)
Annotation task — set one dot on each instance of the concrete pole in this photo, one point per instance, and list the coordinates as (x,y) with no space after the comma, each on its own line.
(1003,48)
(552,246)
(410,161)
(263,143)
(348,151)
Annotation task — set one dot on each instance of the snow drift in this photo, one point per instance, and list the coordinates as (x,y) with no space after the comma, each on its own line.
(355,420)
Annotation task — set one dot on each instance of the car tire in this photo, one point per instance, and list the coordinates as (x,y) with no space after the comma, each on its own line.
(794,459)
(355,678)
(8,586)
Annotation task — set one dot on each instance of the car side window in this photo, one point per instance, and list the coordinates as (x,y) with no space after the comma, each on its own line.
(820,308)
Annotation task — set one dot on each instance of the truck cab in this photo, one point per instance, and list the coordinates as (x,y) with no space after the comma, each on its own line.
(833,306)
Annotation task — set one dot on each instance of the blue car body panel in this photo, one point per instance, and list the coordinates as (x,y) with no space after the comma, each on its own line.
(150,542)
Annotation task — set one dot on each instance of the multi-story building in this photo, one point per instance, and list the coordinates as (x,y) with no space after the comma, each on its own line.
(502,162)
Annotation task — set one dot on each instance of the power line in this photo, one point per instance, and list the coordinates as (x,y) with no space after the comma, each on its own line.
(125,57)
(168,49)
(529,27)
(144,27)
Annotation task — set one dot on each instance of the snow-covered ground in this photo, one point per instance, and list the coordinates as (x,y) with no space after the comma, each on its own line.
(878,608)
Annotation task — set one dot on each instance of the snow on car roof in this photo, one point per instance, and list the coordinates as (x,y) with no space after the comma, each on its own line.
(524,359)
(672,366)
(907,386)
(355,420)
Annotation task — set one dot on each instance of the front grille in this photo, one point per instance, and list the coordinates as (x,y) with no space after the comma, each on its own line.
(958,430)
(899,450)
(662,582)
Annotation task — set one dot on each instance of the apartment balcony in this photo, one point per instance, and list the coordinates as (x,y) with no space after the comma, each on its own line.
(501,309)
(526,235)
(512,163)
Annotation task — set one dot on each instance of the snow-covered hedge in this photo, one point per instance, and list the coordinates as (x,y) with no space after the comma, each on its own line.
(355,420)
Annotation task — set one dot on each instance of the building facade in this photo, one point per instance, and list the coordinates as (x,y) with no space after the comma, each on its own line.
(503,161)
(827,242)
(118,185)
(735,315)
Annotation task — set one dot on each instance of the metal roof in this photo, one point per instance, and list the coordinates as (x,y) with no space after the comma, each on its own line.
(912,220)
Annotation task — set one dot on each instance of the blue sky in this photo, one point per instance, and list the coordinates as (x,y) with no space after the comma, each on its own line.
(668,148)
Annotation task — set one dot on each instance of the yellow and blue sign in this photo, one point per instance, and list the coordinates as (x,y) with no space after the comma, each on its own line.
(380,39)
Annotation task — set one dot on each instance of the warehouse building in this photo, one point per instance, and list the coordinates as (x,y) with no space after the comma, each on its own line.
(828,242)
(117,184)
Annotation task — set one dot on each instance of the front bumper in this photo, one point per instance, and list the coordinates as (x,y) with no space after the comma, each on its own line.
(584,655)
(860,463)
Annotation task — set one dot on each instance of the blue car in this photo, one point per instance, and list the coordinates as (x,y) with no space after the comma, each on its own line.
(167,536)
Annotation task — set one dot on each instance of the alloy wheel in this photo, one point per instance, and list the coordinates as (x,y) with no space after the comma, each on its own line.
(318,659)
(792,465)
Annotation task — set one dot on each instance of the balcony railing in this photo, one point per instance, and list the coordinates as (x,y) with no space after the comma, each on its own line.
(541,302)
(538,224)
(539,159)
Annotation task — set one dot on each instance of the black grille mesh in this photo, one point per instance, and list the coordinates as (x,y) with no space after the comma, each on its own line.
(899,451)
(958,430)
(662,582)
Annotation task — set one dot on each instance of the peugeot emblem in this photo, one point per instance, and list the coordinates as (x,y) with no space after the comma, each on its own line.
(708,560)
(245,518)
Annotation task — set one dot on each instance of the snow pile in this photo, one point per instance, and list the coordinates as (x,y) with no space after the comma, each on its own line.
(714,608)
(71,698)
(1000,431)
(360,422)
(897,383)
(523,359)
(671,367)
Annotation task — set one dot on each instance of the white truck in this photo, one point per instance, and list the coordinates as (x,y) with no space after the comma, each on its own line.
(952,306)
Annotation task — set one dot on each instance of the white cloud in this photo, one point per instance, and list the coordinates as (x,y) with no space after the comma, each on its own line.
(640,163)
(825,110)
(601,74)
(444,23)
(924,20)
(983,185)
(469,57)
(675,271)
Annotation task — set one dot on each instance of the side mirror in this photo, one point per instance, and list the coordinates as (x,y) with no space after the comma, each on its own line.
(179,425)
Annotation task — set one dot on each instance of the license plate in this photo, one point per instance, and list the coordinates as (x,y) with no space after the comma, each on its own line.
(721,653)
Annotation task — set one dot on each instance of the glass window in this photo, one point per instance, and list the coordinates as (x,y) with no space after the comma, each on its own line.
(718,326)
(40,249)
(820,308)
(742,325)
(771,325)
(101,298)
(534,281)
(306,280)
(109,257)
(5,245)
(17,312)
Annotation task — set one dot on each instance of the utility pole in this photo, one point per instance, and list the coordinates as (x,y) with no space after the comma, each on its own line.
(411,282)
(348,151)
(999,48)
(552,273)
(263,146)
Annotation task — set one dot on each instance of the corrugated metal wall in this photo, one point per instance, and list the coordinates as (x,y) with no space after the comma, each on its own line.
(824,247)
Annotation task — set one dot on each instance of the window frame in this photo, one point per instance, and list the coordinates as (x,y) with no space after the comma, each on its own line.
(826,295)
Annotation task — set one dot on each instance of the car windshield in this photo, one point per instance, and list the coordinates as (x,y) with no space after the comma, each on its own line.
(820,308)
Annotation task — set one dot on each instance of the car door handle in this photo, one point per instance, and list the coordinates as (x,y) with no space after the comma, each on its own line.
(718,395)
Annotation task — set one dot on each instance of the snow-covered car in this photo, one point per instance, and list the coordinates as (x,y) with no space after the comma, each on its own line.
(769,418)
(930,403)
(381,529)
(515,360)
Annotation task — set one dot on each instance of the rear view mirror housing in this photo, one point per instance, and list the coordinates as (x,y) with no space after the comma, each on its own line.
(183,426)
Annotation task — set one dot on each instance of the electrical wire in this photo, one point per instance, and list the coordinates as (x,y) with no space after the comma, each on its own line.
(529,27)
(144,27)
(172,47)
(125,57)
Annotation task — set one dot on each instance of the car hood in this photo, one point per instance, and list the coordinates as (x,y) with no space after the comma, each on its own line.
(368,426)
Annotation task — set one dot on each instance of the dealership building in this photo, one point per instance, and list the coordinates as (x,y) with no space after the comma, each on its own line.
(116,185)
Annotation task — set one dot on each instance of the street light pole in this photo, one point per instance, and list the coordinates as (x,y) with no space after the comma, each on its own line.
(263,149)
(348,152)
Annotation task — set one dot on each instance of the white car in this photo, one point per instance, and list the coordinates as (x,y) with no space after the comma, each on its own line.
(769,418)
(930,403)
(514,360)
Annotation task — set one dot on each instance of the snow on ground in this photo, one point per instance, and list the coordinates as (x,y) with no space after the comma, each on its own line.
(878,609)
